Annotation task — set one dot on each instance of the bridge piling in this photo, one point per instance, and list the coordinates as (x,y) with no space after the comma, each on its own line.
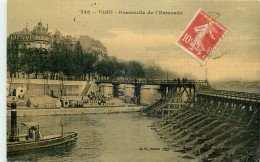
(211,124)
(115,89)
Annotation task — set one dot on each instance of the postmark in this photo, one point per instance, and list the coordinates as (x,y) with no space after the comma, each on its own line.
(201,36)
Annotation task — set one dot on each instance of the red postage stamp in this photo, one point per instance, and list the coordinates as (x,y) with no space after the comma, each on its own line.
(201,36)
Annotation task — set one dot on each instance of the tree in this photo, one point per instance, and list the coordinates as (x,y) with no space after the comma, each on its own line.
(12,57)
(12,60)
(108,67)
(78,62)
(39,61)
(75,63)
(54,60)
(135,70)
(26,61)
(123,69)
(88,63)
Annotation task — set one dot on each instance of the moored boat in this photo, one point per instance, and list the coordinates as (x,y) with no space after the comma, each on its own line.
(34,141)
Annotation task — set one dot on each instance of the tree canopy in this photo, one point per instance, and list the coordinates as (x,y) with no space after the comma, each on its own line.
(74,63)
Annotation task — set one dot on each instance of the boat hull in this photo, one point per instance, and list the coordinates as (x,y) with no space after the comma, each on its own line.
(51,143)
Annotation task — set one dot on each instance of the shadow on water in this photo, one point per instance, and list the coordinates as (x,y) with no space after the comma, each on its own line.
(40,155)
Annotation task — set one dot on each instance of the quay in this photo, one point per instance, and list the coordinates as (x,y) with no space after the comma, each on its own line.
(76,111)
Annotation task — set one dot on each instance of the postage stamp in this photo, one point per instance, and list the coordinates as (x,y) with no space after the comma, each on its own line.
(201,36)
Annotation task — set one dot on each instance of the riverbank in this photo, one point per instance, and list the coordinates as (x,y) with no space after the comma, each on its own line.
(75,111)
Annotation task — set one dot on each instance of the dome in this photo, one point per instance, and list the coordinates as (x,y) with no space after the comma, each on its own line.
(39,29)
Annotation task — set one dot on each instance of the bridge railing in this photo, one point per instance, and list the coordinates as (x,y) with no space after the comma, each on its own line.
(155,81)
(230,94)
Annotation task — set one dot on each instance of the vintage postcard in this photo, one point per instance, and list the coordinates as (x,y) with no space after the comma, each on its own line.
(126,81)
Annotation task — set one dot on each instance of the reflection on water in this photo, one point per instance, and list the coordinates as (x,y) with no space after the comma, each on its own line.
(101,137)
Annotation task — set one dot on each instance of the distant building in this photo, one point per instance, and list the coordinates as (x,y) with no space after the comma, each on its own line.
(89,44)
(57,37)
(40,37)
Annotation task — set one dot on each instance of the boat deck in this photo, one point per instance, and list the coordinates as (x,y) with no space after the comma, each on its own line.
(22,137)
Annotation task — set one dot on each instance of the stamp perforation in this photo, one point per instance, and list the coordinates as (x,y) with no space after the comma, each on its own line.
(209,26)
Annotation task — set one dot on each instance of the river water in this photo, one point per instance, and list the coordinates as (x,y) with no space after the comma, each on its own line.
(124,137)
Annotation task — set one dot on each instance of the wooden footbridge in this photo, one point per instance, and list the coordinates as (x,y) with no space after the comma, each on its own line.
(175,82)
(233,95)
(204,123)
(192,87)
(208,124)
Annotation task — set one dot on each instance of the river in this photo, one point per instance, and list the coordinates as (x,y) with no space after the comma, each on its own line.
(124,137)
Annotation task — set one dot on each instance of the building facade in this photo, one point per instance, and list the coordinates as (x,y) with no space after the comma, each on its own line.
(41,38)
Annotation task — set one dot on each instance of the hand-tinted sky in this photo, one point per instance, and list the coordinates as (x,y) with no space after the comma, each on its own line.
(150,38)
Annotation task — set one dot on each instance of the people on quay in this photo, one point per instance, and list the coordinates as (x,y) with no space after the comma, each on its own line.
(179,81)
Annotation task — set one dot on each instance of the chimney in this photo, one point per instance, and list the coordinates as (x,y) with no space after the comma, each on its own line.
(14,131)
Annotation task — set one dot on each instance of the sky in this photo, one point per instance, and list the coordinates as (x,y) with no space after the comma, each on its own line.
(151,38)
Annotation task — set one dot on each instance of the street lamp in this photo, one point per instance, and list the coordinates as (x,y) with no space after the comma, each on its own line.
(154,72)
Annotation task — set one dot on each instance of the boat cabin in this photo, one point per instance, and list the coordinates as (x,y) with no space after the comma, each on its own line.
(33,131)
